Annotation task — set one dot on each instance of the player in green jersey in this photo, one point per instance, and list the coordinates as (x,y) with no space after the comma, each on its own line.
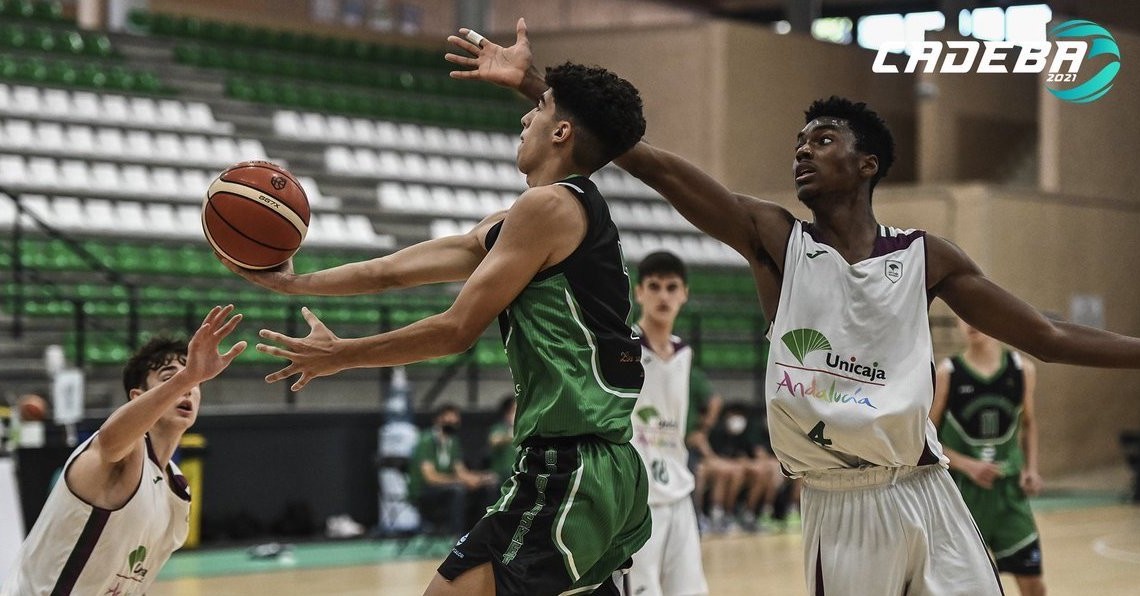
(983,406)
(551,269)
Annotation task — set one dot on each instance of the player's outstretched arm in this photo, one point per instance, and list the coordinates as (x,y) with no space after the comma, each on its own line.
(958,281)
(121,432)
(451,258)
(745,223)
(539,225)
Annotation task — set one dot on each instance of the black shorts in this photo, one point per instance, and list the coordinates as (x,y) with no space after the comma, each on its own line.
(1026,561)
(569,518)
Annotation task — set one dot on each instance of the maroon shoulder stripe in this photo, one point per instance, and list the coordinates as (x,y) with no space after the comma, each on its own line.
(84,546)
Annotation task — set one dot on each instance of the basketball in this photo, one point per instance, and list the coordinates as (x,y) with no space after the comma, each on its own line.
(32,407)
(256,214)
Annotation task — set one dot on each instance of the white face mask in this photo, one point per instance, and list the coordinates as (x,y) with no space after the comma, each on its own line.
(735,424)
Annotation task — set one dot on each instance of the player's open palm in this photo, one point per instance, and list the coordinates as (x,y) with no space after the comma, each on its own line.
(203,362)
(492,62)
(315,355)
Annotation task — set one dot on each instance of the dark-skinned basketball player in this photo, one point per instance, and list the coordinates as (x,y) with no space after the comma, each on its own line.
(551,268)
(850,375)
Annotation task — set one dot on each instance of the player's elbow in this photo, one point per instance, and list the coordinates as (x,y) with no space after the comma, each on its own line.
(1047,345)
(459,333)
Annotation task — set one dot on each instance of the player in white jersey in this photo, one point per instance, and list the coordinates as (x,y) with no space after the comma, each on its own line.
(121,507)
(851,375)
(666,419)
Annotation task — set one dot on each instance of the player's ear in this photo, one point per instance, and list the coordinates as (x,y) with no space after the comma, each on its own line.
(869,165)
(563,131)
(133,393)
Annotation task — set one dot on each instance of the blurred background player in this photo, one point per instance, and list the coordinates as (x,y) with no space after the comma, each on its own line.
(501,440)
(123,506)
(667,413)
(984,410)
(441,485)
(552,270)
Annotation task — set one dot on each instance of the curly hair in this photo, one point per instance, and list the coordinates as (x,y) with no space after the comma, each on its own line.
(153,355)
(603,105)
(871,133)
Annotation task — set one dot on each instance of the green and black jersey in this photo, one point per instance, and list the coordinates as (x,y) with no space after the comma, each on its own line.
(983,414)
(575,360)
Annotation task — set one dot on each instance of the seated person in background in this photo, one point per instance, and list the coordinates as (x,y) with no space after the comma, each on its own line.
(750,467)
(439,483)
(500,441)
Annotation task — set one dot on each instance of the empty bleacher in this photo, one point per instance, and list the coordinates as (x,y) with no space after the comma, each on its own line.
(116,160)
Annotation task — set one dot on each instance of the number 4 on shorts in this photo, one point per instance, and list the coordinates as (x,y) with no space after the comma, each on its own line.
(816,435)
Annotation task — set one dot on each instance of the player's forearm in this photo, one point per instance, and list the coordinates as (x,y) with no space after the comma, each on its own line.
(451,258)
(699,441)
(1029,443)
(698,197)
(436,336)
(125,426)
(1069,343)
(958,461)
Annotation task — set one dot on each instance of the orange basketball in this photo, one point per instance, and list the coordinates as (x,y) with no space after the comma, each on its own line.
(32,407)
(256,214)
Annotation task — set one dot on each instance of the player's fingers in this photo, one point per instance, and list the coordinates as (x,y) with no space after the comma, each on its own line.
(282,339)
(465,45)
(460,60)
(276,351)
(520,31)
(233,352)
(226,329)
(301,382)
(311,318)
(284,373)
(465,74)
(211,316)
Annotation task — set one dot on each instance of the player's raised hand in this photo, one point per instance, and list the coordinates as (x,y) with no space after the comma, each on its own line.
(203,362)
(492,62)
(276,279)
(315,355)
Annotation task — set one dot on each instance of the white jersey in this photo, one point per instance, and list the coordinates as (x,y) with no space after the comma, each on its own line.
(75,548)
(850,375)
(661,421)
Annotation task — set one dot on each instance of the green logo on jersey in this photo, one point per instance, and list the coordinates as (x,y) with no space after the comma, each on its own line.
(802,342)
(812,255)
(137,556)
(646,414)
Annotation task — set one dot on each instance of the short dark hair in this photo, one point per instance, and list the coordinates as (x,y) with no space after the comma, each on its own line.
(601,104)
(871,133)
(153,355)
(662,262)
(445,409)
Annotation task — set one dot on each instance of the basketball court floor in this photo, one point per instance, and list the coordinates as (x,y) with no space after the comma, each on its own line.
(1091,546)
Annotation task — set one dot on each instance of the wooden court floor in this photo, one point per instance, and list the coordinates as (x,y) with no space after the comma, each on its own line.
(1088,551)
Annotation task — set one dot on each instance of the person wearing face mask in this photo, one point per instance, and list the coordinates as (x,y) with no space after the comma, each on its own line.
(439,481)
(740,442)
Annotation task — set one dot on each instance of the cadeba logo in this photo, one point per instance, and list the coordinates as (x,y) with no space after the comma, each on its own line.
(1080,61)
